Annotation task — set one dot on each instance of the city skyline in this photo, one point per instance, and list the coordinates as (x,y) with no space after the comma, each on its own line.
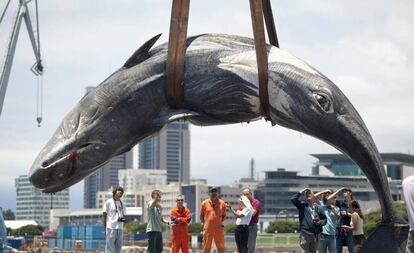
(363,47)
(168,150)
(104,178)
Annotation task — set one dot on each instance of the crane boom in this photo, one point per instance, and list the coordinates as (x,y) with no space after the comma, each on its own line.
(22,14)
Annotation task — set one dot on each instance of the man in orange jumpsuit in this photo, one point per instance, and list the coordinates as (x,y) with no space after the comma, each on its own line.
(212,215)
(180,217)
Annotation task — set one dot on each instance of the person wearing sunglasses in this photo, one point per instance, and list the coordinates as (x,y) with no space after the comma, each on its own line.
(180,217)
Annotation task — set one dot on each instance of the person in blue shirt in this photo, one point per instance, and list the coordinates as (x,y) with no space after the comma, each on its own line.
(327,241)
(343,235)
(311,220)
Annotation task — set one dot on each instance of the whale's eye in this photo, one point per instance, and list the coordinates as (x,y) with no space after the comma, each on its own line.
(323,101)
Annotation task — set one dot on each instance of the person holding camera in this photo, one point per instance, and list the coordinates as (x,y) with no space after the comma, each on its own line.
(113,220)
(327,242)
(343,234)
(154,225)
(357,225)
(244,214)
(311,220)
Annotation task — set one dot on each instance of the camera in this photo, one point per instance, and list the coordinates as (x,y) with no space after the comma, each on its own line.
(121,219)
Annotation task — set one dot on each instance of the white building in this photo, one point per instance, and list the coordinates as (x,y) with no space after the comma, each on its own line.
(132,180)
(169,150)
(32,204)
(194,194)
(87,216)
(252,184)
(169,194)
(130,199)
(104,178)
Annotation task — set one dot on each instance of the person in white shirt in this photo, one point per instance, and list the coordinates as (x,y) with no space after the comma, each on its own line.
(113,220)
(356,225)
(408,190)
(244,215)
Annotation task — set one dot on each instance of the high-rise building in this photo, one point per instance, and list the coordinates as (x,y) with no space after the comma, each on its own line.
(32,204)
(132,180)
(170,151)
(104,178)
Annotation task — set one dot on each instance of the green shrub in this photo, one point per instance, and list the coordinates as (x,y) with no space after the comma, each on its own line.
(372,219)
(283,227)
(27,230)
(135,226)
(195,228)
(229,228)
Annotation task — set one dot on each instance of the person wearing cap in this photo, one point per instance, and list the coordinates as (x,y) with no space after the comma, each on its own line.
(408,192)
(311,220)
(212,215)
(343,234)
(113,219)
(244,214)
(251,244)
(180,217)
(154,225)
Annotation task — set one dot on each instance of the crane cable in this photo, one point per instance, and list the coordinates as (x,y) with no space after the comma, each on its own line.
(39,71)
(39,102)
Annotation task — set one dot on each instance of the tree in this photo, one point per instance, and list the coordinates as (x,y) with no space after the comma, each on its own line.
(28,230)
(372,219)
(8,215)
(135,226)
(282,227)
(195,228)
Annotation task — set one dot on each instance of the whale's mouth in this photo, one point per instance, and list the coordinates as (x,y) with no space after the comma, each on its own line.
(71,154)
(55,174)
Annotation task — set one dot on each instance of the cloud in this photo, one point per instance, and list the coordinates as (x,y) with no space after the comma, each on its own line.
(364,47)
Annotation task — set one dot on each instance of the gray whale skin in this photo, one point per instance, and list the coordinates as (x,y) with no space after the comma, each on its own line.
(220,87)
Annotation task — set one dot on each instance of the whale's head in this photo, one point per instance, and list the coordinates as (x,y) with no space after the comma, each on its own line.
(105,123)
(87,136)
(303,99)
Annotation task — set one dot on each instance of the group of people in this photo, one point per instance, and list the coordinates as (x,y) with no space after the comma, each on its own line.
(327,223)
(213,211)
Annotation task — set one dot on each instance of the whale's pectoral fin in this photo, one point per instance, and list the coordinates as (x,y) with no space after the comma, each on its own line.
(142,53)
(386,238)
(173,115)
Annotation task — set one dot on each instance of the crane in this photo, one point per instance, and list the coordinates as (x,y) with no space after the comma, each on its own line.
(22,15)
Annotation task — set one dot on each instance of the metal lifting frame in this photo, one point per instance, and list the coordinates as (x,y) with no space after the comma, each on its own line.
(176,48)
(37,69)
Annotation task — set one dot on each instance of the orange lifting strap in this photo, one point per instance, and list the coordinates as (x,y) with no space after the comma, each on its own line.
(176,48)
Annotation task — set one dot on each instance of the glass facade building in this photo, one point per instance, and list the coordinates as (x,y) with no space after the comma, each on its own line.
(169,150)
(104,178)
(32,204)
(397,165)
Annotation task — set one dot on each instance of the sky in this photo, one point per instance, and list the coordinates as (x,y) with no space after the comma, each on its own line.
(365,47)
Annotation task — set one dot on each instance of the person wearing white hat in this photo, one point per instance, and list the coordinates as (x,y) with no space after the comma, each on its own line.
(244,214)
